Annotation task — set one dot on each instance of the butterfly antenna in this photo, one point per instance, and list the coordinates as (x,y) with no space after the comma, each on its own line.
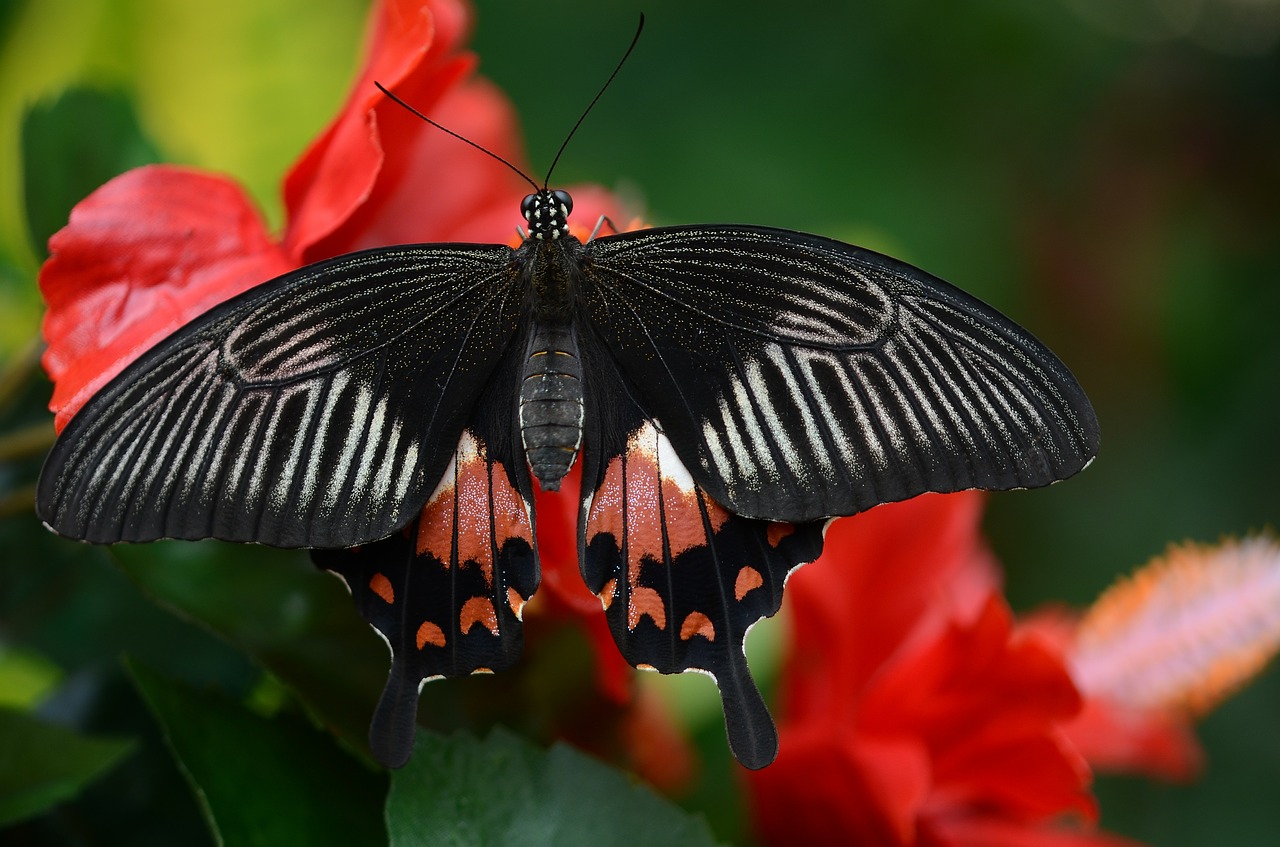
(634,39)
(461,138)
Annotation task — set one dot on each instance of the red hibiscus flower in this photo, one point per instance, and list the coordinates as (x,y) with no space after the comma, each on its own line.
(913,712)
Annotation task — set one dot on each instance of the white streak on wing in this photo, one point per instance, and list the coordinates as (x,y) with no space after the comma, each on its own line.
(382,482)
(748,402)
(372,441)
(795,460)
(669,465)
(835,421)
(903,388)
(279,496)
(195,462)
(243,455)
(712,439)
(408,464)
(307,490)
(855,419)
(263,453)
(938,371)
(884,415)
(747,471)
(931,401)
(356,429)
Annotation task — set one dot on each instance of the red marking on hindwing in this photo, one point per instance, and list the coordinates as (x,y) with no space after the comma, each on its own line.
(646,601)
(649,502)
(478,610)
(778,531)
(380,585)
(606,593)
(748,578)
(429,633)
(697,624)
(515,601)
(476,498)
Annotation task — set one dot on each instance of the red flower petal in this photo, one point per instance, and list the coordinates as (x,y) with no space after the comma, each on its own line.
(991,831)
(1118,738)
(140,257)
(831,787)
(887,578)
(413,51)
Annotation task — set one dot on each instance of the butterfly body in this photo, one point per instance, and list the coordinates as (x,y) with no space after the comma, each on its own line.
(726,389)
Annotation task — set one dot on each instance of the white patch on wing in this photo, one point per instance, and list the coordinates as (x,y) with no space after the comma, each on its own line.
(669,465)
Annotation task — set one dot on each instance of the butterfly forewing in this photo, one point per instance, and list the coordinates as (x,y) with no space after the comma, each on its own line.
(799,377)
(316,410)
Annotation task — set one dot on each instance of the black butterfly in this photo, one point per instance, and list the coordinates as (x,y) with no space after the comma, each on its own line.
(728,389)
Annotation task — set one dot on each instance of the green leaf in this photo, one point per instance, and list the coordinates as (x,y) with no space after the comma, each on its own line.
(72,145)
(295,621)
(264,781)
(459,792)
(42,765)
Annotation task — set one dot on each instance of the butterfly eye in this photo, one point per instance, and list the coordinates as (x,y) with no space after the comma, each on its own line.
(526,205)
(563,197)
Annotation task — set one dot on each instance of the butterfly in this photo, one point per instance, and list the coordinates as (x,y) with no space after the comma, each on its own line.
(726,391)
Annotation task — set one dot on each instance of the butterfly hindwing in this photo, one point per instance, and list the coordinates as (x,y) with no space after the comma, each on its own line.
(316,410)
(681,578)
(447,592)
(799,377)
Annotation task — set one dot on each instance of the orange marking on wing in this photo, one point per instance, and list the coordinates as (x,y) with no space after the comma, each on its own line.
(748,578)
(652,498)
(429,633)
(606,593)
(478,610)
(646,601)
(476,503)
(778,531)
(515,601)
(697,624)
(380,585)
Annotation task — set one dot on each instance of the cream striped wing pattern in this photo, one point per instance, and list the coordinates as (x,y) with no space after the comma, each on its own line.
(316,410)
(801,378)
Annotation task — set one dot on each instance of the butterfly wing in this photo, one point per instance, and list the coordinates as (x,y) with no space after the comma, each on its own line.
(448,591)
(798,377)
(315,410)
(682,579)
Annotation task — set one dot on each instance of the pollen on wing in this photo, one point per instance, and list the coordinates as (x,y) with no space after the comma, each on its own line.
(478,610)
(380,585)
(429,633)
(697,624)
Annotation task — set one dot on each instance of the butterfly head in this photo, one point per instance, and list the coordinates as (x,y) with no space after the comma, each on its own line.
(547,213)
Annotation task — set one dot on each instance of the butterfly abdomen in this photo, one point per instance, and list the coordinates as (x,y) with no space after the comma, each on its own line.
(551,410)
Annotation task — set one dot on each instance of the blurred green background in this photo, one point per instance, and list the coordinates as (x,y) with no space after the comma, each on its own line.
(1107,173)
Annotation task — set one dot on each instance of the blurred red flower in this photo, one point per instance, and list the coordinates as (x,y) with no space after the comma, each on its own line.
(914,714)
